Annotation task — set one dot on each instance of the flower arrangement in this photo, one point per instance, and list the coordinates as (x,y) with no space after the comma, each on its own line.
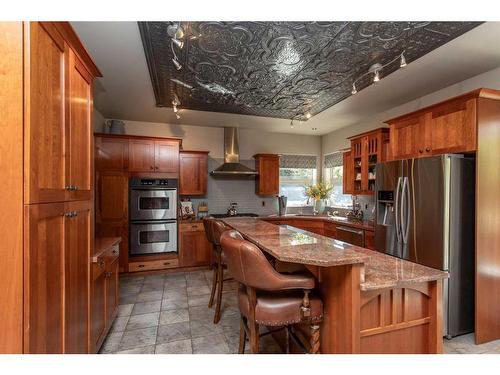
(318,191)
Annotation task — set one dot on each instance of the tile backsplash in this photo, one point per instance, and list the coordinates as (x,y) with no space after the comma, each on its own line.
(222,190)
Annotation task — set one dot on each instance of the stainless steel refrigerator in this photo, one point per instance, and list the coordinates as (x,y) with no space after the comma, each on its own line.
(425,214)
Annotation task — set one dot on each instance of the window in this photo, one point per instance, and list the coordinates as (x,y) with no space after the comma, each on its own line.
(296,172)
(333,172)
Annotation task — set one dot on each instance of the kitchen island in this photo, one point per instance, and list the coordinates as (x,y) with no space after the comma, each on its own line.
(373,303)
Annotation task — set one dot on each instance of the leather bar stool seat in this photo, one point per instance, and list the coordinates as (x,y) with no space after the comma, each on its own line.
(267,297)
(279,308)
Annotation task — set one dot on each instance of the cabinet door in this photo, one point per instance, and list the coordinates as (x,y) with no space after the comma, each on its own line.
(79,118)
(141,155)
(45,134)
(451,128)
(369,240)
(194,248)
(111,196)
(268,180)
(167,156)
(43,299)
(98,303)
(111,291)
(407,138)
(76,281)
(348,173)
(193,172)
(111,154)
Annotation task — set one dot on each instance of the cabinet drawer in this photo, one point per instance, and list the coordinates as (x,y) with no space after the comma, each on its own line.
(191,227)
(153,265)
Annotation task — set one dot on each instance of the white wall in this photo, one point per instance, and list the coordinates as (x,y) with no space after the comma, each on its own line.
(212,139)
(336,140)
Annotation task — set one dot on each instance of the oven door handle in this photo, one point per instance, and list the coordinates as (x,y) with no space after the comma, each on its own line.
(147,222)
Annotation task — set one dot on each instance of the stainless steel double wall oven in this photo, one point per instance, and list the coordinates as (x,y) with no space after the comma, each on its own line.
(153,215)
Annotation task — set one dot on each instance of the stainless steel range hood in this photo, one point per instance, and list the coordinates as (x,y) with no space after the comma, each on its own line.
(232,165)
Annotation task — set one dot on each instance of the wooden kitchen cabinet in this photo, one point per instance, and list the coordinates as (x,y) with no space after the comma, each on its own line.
(149,155)
(105,289)
(367,149)
(79,127)
(44,236)
(348,170)
(141,155)
(194,248)
(58,126)
(45,141)
(111,196)
(54,110)
(267,182)
(193,172)
(167,156)
(448,127)
(111,154)
(78,247)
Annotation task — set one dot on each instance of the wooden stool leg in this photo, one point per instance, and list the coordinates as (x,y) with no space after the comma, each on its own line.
(314,340)
(220,286)
(243,336)
(214,284)
(254,337)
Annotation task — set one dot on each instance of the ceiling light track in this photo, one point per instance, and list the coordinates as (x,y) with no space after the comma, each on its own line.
(176,34)
(375,70)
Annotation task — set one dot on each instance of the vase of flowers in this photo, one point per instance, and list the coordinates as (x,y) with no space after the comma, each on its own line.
(318,193)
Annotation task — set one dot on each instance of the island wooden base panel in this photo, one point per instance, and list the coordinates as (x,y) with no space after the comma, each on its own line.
(386,321)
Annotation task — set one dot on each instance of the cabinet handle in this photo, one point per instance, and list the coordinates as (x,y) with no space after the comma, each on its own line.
(71,214)
(75,187)
(427,149)
(157,167)
(108,275)
(101,263)
(141,266)
(151,167)
(69,187)
(421,151)
(166,263)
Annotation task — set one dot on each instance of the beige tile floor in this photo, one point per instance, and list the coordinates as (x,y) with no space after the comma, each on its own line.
(168,314)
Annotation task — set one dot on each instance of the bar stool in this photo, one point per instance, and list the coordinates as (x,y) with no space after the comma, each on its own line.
(269,298)
(213,230)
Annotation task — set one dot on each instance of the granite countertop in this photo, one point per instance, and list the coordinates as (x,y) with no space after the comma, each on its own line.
(103,244)
(360,224)
(290,244)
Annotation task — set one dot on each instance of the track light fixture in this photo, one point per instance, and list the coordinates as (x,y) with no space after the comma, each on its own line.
(175,103)
(177,116)
(354,90)
(178,43)
(308,115)
(376,69)
(177,64)
(291,124)
(402,63)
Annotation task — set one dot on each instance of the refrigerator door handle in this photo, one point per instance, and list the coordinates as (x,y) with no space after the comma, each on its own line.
(405,221)
(397,215)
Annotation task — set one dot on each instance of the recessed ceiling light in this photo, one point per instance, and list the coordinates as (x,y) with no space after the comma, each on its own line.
(314,128)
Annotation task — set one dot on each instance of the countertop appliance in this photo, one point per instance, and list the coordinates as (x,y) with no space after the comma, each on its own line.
(153,215)
(425,214)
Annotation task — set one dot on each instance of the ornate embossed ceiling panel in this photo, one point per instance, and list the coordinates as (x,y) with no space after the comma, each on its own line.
(280,69)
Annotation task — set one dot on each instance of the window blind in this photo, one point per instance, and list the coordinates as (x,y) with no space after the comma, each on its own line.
(298,161)
(334,160)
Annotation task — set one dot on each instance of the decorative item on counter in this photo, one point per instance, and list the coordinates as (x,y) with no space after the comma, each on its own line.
(187,212)
(114,127)
(282,205)
(319,193)
(202,210)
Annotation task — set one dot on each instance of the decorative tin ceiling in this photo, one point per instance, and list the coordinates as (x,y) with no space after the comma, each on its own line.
(280,69)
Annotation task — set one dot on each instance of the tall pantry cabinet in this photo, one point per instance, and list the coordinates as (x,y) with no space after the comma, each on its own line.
(48,222)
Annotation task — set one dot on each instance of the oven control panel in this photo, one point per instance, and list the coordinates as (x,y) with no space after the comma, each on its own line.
(152,182)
